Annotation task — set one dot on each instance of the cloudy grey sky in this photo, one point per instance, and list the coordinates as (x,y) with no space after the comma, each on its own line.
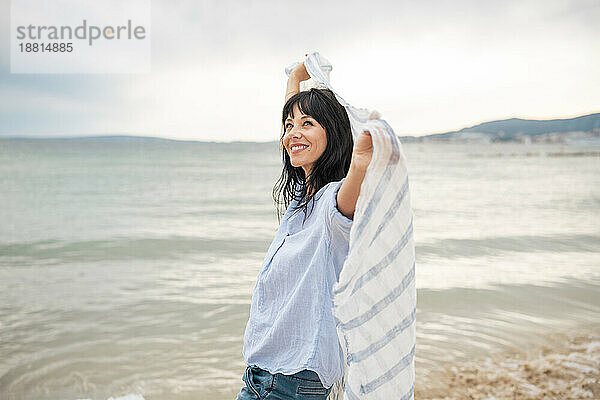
(428,67)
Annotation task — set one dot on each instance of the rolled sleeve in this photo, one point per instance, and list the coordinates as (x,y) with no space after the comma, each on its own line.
(340,225)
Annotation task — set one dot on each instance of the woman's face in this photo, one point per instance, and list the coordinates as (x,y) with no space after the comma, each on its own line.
(304,140)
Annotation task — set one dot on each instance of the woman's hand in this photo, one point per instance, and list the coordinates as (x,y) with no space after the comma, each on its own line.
(350,189)
(299,73)
(362,151)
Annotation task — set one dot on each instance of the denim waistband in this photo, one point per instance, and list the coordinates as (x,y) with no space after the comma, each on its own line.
(305,374)
(298,385)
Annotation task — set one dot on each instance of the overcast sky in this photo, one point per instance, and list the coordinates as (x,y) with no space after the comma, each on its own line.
(427,66)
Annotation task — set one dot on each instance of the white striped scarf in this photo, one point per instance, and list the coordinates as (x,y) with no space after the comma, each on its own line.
(375,297)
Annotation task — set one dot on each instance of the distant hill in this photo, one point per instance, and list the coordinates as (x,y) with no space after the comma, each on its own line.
(586,127)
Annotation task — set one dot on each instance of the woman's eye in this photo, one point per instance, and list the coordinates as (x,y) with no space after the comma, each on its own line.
(287,126)
(308,122)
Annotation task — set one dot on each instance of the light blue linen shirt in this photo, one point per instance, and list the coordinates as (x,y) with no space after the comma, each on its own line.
(291,325)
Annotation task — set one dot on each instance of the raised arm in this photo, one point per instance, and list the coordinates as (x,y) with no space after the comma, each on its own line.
(350,189)
(298,75)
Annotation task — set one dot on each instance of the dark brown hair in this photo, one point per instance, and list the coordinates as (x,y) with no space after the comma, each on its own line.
(331,166)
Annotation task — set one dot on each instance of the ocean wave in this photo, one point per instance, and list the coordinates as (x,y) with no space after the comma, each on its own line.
(497,245)
(49,252)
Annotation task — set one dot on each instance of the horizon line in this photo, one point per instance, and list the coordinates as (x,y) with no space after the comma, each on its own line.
(134,136)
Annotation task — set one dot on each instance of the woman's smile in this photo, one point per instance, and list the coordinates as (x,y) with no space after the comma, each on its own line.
(304,139)
(297,148)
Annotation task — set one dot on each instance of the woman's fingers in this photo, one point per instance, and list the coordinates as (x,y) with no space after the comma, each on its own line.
(300,72)
(363,150)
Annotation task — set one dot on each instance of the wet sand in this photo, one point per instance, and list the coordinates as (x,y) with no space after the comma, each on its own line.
(565,367)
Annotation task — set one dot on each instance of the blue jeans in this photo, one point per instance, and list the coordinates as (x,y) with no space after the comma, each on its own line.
(261,384)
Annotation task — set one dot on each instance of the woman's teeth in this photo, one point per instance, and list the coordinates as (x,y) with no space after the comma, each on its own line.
(298,148)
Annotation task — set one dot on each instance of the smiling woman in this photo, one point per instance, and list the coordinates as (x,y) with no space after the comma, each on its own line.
(305,140)
(314,119)
(291,346)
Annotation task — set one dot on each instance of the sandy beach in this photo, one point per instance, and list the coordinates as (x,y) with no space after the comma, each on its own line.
(564,367)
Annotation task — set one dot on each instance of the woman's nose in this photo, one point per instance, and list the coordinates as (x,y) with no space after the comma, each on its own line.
(293,133)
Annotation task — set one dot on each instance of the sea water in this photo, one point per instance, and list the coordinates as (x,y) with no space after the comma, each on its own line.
(127,265)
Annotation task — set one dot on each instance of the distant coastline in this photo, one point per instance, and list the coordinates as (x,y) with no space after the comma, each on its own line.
(579,130)
(585,128)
